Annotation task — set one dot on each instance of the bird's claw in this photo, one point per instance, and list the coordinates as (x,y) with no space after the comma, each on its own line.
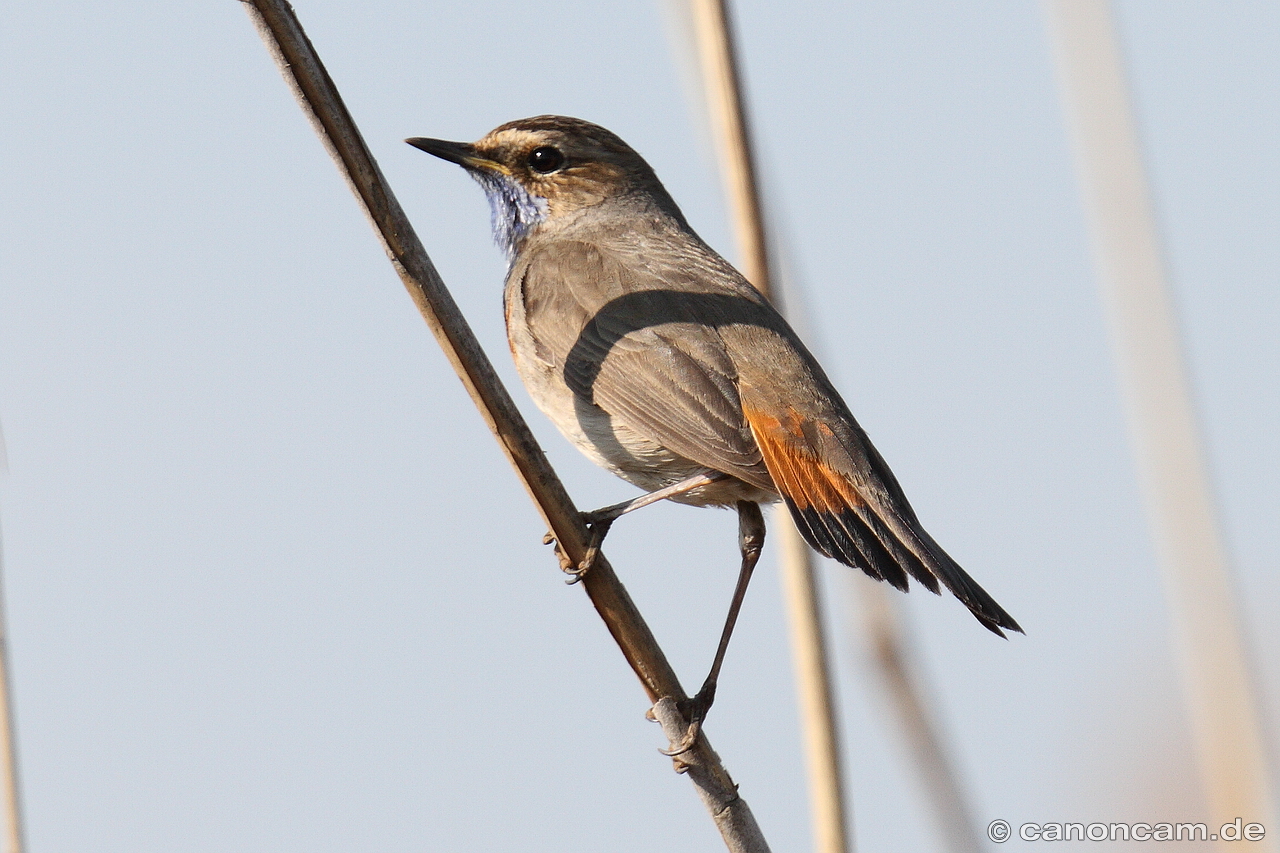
(598,527)
(686,743)
(695,711)
(566,564)
(598,524)
(576,573)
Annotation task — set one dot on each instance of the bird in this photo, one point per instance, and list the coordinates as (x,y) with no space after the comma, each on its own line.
(660,362)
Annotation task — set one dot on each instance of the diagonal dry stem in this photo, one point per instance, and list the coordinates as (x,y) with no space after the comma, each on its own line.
(319,98)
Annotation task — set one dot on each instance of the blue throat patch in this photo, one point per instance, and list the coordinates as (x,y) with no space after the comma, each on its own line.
(514,211)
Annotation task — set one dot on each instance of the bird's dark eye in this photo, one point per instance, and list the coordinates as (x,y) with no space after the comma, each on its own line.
(546,159)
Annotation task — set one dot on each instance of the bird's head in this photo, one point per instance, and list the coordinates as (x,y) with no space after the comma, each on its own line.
(549,169)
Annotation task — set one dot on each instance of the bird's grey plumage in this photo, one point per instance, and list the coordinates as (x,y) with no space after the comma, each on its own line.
(659,360)
(648,358)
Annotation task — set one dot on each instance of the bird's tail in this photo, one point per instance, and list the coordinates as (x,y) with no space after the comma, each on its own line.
(861,517)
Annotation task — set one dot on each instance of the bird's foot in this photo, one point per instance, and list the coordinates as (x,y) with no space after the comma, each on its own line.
(693,709)
(598,523)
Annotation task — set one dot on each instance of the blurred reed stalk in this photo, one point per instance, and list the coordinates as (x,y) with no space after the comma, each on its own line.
(894,657)
(14,829)
(8,734)
(319,99)
(725,99)
(721,79)
(1164,430)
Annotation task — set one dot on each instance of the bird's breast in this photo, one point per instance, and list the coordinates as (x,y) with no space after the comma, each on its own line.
(586,425)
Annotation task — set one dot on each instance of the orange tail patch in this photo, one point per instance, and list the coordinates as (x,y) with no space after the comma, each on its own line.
(830,513)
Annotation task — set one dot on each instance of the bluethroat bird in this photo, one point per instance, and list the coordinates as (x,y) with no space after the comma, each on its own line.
(660,362)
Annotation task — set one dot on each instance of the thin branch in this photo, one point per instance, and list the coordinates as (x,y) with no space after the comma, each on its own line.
(1148,351)
(319,98)
(726,101)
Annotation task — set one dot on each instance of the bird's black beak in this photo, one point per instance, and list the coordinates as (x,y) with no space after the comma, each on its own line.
(462,153)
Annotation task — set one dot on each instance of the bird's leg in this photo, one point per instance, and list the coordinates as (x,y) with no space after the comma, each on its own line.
(599,521)
(750,541)
(613,513)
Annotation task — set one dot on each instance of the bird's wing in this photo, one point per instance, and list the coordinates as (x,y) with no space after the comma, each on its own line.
(842,495)
(697,361)
(631,339)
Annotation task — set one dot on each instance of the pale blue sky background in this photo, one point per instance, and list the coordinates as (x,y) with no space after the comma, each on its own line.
(271,585)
